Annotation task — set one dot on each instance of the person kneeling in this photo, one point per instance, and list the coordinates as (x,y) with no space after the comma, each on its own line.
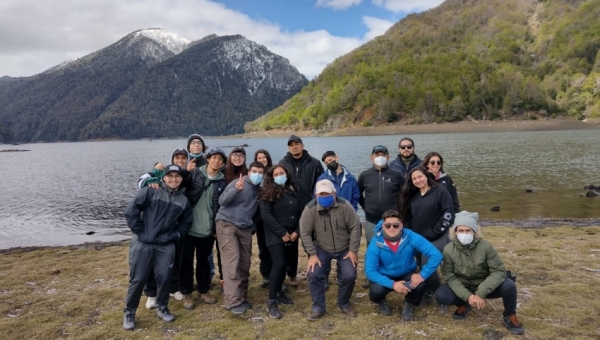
(390,264)
(473,271)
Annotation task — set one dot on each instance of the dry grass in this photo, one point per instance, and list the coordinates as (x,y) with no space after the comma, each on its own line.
(78,292)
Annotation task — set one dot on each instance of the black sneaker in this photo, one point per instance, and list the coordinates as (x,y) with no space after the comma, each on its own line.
(273,309)
(239,309)
(264,283)
(513,324)
(408,312)
(247,304)
(129,321)
(366,283)
(164,314)
(384,308)
(461,312)
(283,299)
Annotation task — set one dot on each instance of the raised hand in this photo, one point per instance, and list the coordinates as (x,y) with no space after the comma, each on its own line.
(240,183)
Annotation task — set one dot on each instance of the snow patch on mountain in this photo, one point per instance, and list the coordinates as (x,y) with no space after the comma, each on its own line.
(168,39)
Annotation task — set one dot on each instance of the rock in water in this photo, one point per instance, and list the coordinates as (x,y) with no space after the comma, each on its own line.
(495,208)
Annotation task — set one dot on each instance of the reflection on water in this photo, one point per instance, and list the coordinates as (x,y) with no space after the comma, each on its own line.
(57,192)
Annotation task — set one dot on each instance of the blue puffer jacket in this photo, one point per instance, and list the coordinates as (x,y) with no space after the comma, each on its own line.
(348,189)
(382,264)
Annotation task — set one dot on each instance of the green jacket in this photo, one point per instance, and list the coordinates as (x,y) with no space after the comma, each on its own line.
(475,267)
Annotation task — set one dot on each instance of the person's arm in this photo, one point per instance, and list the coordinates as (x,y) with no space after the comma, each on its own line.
(447,216)
(133,214)
(229,194)
(454,194)
(355,194)
(306,231)
(269,221)
(450,277)
(497,272)
(194,185)
(434,256)
(372,265)
(185,221)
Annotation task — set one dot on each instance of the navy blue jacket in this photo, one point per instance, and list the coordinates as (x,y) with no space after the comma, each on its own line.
(398,165)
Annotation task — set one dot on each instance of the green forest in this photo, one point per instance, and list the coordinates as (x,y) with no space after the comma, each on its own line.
(465,59)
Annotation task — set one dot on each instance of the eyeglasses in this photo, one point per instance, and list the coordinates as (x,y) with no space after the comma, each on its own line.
(435,162)
(196,142)
(389,225)
(406,147)
(238,155)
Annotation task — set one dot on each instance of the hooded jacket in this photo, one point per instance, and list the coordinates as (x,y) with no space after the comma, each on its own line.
(382,264)
(333,230)
(280,217)
(159,216)
(380,191)
(199,159)
(347,189)
(445,180)
(475,267)
(239,206)
(398,165)
(304,175)
(432,214)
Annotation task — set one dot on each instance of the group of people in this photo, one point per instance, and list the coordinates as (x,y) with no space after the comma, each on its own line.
(412,225)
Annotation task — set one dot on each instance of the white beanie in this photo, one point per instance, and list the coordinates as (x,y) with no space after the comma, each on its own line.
(467,219)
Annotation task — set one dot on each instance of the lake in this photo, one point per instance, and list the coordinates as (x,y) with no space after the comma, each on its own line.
(57,192)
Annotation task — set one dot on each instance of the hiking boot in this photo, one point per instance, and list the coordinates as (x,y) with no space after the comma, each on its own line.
(366,283)
(461,312)
(177,296)
(283,299)
(442,309)
(151,302)
(247,304)
(188,302)
(513,324)
(314,316)
(293,281)
(273,309)
(164,314)
(427,299)
(264,283)
(348,311)
(206,298)
(129,321)
(384,308)
(239,309)
(408,312)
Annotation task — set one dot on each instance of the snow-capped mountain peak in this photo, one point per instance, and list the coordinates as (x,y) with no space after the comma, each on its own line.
(168,39)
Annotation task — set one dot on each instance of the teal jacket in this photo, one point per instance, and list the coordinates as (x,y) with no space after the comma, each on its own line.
(475,267)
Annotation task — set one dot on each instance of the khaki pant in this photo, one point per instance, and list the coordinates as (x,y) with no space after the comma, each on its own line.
(235,245)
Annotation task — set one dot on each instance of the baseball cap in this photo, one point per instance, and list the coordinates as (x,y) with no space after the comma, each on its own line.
(294,138)
(173,168)
(380,148)
(324,185)
(215,151)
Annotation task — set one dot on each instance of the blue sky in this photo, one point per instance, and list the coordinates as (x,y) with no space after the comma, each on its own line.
(36,35)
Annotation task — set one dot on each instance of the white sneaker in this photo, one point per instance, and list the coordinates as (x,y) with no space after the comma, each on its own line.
(177,296)
(151,302)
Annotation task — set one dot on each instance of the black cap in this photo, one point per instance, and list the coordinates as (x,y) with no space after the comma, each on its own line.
(380,148)
(173,168)
(238,149)
(215,151)
(294,138)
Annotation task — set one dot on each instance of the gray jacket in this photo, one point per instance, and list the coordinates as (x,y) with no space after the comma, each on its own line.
(238,207)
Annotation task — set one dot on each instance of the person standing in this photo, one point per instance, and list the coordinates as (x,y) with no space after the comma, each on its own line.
(434,163)
(473,271)
(407,159)
(236,164)
(158,219)
(234,234)
(305,168)
(196,148)
(330,229)
(344,182)
(264,255)
(280,211)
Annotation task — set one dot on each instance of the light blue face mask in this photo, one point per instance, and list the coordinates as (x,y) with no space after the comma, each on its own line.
(280,180)
(255,178)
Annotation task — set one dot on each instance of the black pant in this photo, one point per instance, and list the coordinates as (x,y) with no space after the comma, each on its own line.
(202,246)
(150,287)
(142,258)
(264,254)
(291,257)
(507,291)
(378,292)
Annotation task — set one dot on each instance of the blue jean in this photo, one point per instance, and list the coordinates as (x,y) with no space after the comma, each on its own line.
(317,279)
(507,290)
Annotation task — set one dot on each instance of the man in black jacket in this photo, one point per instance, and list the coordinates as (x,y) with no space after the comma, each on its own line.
(158,219)
(306,169)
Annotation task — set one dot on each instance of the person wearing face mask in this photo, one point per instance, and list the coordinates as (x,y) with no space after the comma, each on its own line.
(196,148)
(473,271)
(379,188)
(280,211)
(330,230)
(238,204)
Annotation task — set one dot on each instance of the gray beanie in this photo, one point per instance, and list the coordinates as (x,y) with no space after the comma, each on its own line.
(467,219)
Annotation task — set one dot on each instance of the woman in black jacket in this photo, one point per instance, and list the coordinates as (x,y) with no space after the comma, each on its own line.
(434,163)
(280,210)
(264,255)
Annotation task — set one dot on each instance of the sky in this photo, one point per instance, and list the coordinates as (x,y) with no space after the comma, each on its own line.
(38,34)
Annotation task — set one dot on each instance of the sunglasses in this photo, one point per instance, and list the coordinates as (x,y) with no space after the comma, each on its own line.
(435,162)
(406,147)
(389,225)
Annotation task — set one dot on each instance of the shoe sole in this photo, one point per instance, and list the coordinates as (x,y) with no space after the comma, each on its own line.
(315,318)
(171,320)
(459,317)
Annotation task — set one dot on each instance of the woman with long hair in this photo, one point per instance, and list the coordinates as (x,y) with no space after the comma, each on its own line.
(264,255)
(434,163)
(427,209)
(236,164)
(280,211)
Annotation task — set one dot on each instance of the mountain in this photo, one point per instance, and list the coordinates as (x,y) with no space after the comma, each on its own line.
(465,59)
(152,83)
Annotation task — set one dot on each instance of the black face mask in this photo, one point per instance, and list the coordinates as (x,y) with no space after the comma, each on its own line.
(332,166)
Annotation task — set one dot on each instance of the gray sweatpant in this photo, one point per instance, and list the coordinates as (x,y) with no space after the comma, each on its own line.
(144,258)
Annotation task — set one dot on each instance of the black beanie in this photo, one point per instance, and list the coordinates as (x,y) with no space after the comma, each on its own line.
(195,136)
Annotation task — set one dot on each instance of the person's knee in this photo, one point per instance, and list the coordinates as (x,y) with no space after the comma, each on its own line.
(377,292)
(508,286)
(443,294)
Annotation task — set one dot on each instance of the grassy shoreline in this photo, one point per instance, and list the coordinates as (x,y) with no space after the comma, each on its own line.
(79,291)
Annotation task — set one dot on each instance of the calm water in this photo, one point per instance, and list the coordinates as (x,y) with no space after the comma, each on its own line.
(56,193)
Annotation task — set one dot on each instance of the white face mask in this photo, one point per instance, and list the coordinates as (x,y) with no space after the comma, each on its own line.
(380,161)
(465,238)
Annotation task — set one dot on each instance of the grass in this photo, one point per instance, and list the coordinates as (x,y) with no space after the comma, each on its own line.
(78,292)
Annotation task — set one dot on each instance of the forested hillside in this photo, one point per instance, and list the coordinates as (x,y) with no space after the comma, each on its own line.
(478,59)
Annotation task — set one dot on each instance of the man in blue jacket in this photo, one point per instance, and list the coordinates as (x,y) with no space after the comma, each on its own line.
(390,264)
(158,219)
(344,182)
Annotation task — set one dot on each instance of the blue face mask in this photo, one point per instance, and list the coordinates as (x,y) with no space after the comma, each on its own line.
(255,178)
(280,180)
(325,201)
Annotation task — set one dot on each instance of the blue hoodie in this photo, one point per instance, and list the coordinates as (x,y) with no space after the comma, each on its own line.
(382,264)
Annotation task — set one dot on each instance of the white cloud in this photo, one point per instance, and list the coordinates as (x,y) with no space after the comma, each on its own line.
(376,26)
(338,4)
(407,5)
(36,35)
